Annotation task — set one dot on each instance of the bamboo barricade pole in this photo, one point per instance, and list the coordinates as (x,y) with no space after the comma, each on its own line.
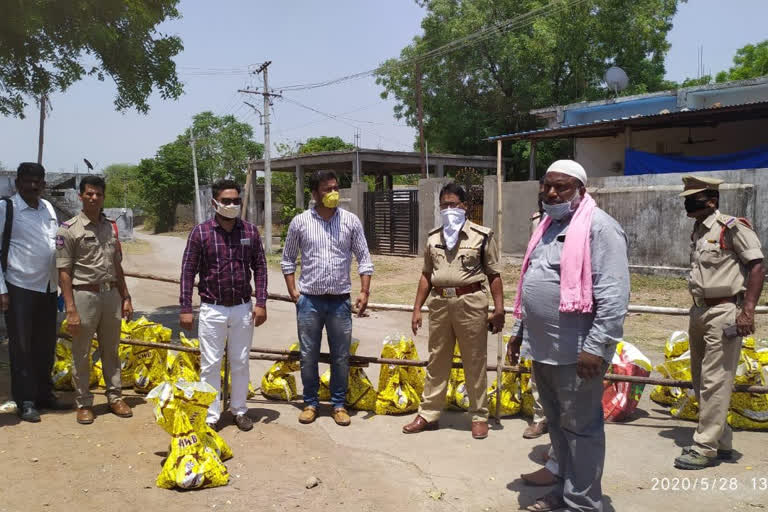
(271,354)
(633,308)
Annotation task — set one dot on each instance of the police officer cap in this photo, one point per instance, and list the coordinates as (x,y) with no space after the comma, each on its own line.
(695,184)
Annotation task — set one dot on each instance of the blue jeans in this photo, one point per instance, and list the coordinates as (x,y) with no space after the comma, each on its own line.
(335,313)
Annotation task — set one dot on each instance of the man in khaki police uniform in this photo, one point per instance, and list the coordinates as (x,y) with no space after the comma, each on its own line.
(457,258)
(726,279)
(95,294)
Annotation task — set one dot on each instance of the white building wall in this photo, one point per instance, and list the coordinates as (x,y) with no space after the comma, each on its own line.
(604,156)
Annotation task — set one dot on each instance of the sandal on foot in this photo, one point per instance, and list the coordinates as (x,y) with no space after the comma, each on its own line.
(548,502)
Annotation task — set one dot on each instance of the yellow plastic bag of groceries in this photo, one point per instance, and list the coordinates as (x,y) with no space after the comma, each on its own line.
(190,464)
(278,383)
(192,399)
(183,365)
(150,363)
(62,366)
(524,392)
(510,394)
(686,407)
(400,387)
(676,346)
(456,396)
(749,411)
(361,394)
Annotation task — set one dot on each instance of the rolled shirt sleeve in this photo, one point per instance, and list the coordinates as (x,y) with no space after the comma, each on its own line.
(360,249)
(65,249)
(492,262)
(291,249)
(745,243)
(610,289)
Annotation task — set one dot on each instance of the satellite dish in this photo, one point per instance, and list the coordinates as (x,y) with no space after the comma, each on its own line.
(88,164)
(616,79)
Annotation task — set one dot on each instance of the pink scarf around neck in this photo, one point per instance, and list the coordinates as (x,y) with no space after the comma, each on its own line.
(575,261)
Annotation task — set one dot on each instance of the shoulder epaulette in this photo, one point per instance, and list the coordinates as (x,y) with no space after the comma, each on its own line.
(435,230)
(481,229)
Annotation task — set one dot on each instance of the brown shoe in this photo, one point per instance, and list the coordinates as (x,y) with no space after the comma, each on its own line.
(341,416)
(540,477)
(419,425)
(479,429)
(85,415)
(535,430)
(308,415)
(120,408)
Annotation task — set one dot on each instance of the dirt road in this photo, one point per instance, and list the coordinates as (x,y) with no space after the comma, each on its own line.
(58,465)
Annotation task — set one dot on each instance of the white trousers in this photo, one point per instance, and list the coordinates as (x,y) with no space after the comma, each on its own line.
(231,327)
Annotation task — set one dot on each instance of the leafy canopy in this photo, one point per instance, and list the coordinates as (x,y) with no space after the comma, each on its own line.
(47,45)
(488,88)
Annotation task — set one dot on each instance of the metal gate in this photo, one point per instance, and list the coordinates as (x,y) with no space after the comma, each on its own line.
(392,221)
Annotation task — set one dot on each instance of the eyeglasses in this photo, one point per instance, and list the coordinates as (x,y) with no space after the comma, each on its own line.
(226,201)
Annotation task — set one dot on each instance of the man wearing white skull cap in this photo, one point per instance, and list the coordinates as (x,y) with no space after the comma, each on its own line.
(571,301)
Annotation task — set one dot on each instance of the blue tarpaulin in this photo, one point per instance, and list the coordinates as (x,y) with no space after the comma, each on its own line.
(640,162)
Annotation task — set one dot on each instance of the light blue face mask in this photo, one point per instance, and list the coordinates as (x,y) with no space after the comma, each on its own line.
(560,211)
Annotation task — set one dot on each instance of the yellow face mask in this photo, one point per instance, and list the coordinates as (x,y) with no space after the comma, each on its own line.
(331,199)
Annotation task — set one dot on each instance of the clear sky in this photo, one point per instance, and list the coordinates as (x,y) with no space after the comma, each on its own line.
(307,41)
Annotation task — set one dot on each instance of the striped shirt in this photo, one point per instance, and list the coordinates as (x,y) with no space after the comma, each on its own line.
(326,251)
(224,261)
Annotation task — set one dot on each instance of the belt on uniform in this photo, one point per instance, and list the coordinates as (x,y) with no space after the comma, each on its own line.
(226,303)
(96,288)
(458,291)
(702,302)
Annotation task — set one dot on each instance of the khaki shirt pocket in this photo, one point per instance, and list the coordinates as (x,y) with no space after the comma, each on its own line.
(469,259)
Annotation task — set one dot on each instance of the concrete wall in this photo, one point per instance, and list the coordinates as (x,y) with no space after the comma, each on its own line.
(604,156)
(429,207)
(519,199)
(353,199)
(647,207)
(124,219)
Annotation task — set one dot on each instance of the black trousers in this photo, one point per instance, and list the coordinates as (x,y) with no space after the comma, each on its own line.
(31,323)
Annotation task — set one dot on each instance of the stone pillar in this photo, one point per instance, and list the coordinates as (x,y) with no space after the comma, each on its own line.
(299,187)
(441,170)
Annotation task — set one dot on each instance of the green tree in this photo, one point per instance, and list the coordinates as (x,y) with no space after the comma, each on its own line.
(124,185)
(324,144)
(47,45)
(489,87)
(750,61)
(166,182)
(223,146)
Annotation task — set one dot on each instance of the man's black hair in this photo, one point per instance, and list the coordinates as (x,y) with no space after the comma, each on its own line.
(318,177)
(30,169)
(454,188)
(94,181)
(221,185)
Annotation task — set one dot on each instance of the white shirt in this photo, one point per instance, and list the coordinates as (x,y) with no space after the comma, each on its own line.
(32,251)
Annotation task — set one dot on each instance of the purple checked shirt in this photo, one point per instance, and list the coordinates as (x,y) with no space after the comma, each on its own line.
(224,262)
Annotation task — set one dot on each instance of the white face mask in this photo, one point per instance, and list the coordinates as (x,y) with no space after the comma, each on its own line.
(560,211)
(228,211)
(453,220)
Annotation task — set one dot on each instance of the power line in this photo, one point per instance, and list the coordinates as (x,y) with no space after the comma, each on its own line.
(481,35)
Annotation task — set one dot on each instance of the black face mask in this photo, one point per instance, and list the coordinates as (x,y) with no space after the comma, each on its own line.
(693,205)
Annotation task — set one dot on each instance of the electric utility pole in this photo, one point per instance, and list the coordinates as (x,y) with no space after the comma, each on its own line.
(198,208)
(420,114)
(267,162)
(41,135)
